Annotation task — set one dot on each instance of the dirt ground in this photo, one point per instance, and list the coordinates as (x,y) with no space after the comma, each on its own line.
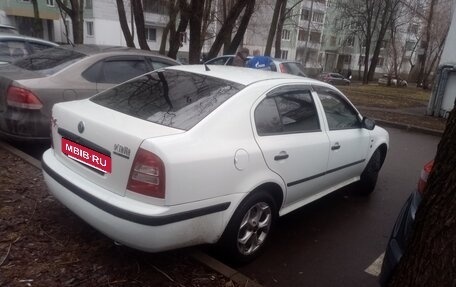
(43,244)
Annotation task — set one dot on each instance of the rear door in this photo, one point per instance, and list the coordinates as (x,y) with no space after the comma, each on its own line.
(349,142)
(289,134)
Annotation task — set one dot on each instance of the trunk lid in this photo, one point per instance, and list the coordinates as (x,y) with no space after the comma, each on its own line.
(107,132)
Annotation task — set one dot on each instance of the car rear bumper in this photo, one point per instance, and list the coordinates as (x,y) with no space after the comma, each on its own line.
(147,227)
(397,243)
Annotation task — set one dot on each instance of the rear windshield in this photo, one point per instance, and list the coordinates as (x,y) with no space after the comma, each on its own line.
(168,97)
(49,61)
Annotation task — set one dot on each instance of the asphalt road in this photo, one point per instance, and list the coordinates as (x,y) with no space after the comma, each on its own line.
(332,241)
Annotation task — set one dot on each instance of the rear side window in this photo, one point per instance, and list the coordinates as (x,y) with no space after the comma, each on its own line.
(49,61)
(295,69)
(12,50)
(119,71)
(167,97)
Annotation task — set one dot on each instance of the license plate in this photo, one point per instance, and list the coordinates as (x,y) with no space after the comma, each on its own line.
(86,155)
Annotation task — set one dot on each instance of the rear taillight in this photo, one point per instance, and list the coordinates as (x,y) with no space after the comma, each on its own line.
(147,175)
(283,69)
(424,176)
(22,98)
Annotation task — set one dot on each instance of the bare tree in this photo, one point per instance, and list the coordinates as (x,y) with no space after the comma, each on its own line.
(430,257)
(175,35)
(173,10)
(273,27)
(249,9)
(123,23)
(140,25)
(37,25)
(75,12)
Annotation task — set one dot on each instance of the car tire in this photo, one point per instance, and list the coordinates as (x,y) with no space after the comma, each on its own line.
(249,229)
(368,179)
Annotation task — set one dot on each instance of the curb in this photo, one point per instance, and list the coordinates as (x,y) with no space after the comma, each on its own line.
(223,269)
(199,256)
(31,160)
(411,128)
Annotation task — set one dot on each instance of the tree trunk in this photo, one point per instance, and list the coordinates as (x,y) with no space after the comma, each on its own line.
(306,45)
(196,8)
(172,8)
(278,36)
(273,27)
(421,78)
(430,258)
(206,21)
(174,39)
(227,27)
(384,24)
(124,24)
(77,18)
(140,25)
(249,9)
(37,24)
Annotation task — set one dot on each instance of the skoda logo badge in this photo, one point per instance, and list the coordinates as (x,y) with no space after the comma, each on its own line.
(81,127)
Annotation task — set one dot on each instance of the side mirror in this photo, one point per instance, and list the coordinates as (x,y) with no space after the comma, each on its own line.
(368,124)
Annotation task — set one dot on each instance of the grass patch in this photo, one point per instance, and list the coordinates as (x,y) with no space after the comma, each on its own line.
(386,97)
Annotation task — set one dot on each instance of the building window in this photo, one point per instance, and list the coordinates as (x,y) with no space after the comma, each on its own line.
(302,35)
(332,41)
(89,4)
(89,28)
(361,60)
(347,59)
(151,34)
(285,34)
(380,62)
(413,28)
(350,42)
(183,37)
(305,14)
(318,17)
(409,45)
(156,6)
(284,54)
(315,37)
(50,2)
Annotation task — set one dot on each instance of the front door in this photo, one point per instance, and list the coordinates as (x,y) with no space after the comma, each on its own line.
(349,142)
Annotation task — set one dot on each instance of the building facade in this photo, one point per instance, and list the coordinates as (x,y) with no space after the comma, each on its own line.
(21,14)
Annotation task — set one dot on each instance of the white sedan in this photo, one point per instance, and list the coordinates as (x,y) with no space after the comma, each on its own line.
(191,154)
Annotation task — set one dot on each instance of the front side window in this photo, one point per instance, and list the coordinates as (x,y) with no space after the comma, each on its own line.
(290,111)
(339,113)
(172,98)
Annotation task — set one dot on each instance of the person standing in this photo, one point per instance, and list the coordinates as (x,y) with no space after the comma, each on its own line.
(241,57)
(260,62)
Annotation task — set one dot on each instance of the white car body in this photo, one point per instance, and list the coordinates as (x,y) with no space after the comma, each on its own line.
(210,168)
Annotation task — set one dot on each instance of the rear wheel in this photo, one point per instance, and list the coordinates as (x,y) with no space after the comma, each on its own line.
(249,229)
(368,179)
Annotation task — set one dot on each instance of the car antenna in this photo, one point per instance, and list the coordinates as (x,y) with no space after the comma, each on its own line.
(207,68)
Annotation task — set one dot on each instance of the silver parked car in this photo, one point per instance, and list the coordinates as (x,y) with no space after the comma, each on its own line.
(14,47)
(31,86)
(334,79)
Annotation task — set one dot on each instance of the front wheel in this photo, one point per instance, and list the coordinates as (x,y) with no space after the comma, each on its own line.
(249,229)
(368,179)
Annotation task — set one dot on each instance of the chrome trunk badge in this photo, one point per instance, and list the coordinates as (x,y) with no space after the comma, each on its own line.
(81,127)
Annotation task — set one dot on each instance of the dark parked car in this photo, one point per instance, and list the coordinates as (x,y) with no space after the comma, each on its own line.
(280,65)
(13,47)
(334,79)
(403,228)
(31,86)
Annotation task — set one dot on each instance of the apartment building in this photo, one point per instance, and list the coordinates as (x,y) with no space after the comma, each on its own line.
(21,14)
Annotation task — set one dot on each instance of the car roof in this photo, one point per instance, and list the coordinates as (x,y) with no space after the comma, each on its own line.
(99,49)
(241,75)
(26,38)
(8,26)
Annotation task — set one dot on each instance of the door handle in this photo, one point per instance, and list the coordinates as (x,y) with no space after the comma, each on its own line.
(336,146)
(282,155)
